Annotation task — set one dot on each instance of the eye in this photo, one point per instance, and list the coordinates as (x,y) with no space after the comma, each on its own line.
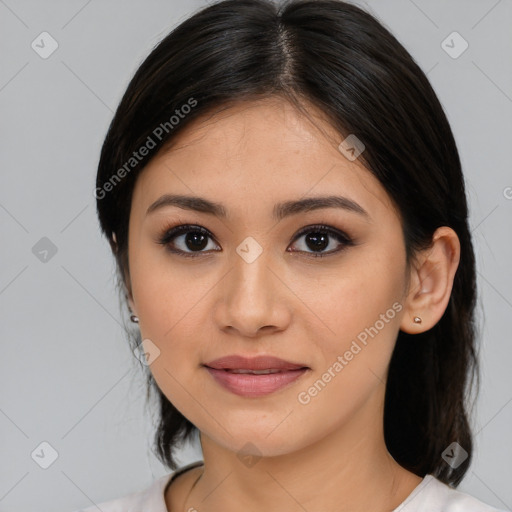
(187,239)
(317,239)
(192,237)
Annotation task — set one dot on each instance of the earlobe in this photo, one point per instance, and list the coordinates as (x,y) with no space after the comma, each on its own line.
(431,282)
(133,312)
(131,303)
(113,242)
(128,294)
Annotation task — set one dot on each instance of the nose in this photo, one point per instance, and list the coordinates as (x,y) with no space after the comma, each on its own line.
(252,298)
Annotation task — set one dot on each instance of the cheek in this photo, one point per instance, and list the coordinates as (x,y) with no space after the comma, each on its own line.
(352,296)
(363,314)
(166,293)
(169,305)
(357,308)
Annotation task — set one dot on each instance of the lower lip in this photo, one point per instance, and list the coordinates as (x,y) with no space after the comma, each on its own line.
(249,384)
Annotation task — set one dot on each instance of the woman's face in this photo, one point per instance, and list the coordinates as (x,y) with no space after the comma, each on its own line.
(253,285)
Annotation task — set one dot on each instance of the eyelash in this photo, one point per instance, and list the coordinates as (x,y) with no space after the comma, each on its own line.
(170,233)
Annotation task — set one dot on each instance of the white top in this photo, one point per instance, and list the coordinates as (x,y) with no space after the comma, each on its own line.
(431,495)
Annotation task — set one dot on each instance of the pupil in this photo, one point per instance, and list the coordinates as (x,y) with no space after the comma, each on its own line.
(196,240)
(318,240)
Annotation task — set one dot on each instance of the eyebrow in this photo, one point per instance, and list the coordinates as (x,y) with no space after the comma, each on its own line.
(280,211)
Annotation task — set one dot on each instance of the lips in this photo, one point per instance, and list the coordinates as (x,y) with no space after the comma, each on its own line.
(255,377)
(255,365)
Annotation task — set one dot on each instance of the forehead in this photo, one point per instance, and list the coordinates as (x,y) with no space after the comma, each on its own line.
(255,154)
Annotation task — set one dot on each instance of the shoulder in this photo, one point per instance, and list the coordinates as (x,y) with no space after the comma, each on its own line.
(434,495)
(149,499)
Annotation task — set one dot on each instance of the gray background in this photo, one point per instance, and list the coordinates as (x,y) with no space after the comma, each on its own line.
(67,375)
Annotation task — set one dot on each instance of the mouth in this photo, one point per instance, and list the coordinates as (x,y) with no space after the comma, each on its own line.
(254,377)
(259,365)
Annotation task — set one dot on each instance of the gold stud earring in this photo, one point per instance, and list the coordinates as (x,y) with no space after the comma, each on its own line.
(417,320)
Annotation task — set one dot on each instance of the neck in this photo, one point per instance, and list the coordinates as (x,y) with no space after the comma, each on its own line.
(348,470)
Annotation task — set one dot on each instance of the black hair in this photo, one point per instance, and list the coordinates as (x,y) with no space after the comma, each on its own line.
(334,56)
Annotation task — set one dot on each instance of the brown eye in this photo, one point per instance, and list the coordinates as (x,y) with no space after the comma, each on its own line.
(318,238)
(186,240)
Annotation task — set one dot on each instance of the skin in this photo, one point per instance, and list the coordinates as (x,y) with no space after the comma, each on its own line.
(289,304)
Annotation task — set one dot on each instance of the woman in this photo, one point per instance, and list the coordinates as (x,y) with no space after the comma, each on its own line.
(284,198)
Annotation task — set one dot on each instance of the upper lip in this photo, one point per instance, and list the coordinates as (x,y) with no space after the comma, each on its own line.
(236,362)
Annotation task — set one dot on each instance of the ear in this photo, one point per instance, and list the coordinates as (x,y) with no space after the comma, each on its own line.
(128,286)
(431,282)
(129,297)
(131,304)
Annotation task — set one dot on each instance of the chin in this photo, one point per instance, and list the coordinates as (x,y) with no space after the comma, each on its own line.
(266,441)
